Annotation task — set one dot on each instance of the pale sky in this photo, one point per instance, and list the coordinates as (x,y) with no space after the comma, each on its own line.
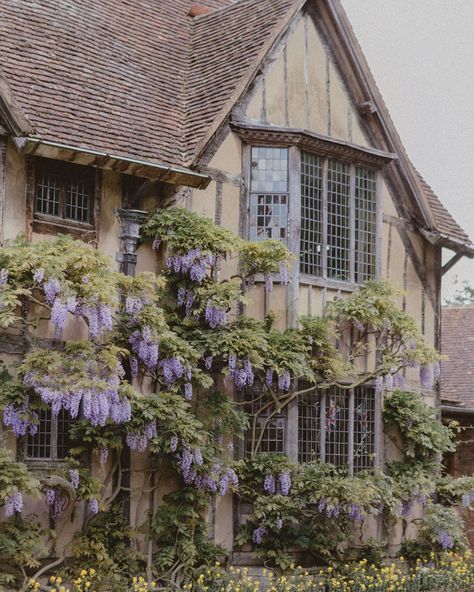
(421,53)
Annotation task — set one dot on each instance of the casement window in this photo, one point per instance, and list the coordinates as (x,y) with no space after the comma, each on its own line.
(62,197)
(337,232)
(267,426)
(51,442)
(337,426)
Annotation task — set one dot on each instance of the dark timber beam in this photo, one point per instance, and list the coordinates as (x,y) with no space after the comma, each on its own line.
(451,263)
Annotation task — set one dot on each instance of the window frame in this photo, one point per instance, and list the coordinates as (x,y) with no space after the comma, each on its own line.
(355,158)
(43,223)
(53,458)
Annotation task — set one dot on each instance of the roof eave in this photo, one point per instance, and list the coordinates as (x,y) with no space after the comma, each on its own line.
(436,237)
(10,113)
(119,164)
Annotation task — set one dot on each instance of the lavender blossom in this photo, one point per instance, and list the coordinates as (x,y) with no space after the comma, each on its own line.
(174,443)
(426,378)
(446,541)
(283,273)
(50,496)
(215,317)
(258,535)
(13,503)
(232,475)
(38,275)
(355,513)
(284,381)
(74,478)
(51,289)
(59,315)
(93,506)
(269,377)
(269,484)
(285,483)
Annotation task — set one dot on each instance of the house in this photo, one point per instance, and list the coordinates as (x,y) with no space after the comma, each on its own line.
(457,389)
(262,115)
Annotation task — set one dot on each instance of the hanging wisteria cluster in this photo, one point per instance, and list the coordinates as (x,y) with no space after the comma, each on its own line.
(96,396)
(194,264)
(21,419)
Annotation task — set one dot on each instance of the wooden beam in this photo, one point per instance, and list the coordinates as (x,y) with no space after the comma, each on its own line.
(3,167)
(451,263)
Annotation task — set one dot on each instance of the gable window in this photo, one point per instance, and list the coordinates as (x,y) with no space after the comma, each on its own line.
(337,230)
(51,441)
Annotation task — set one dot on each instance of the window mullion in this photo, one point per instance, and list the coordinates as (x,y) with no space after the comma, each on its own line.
(322,419)
(294,236)
(54,436)
(352,217)
(350,446)
(324,254)
(378,226)
(379,449)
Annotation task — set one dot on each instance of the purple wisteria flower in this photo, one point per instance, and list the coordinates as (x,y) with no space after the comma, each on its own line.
(279,524)
(284,380)
(4,276)
(74,478)
(20,419)
(208,362)
(445,540)
(93,506)
(407,507)
(133,306)
(51,289)
(215,317)
(269,484)
(156,244)
(269,377)
(50,496)
(59,314)
(137,441)
(194,264)
(38,275)
(134,366)
(223,484)
(285,483)
(355,513)
(13,503)
(188,391)
(388,381)
(172,369)
(426,378)
(145,346)
(322,505)
(283,273)
(197,457)
(232,475)
(259,534)
(399,380)
(174,443)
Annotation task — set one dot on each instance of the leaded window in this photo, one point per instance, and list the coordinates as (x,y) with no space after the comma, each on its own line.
(338,426)
(269,193)
(51,441)
(267,423)
(338,219)
(63,190)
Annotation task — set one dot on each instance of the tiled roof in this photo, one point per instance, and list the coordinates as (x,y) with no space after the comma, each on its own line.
(143,79)
(225,51)
(457,343)
(100,74)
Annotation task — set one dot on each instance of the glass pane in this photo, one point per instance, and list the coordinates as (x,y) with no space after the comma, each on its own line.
(311,214)
(47,194)
(267,429)
(270,218)
(269,170)
(309,414)
(365,224)
(364,428)
(337,426)
(39,445)
(77,200)
(338,220)
(63,440)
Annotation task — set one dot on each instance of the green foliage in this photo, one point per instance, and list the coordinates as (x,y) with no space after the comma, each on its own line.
(14,477)
(454,491)
(423,435)
(179,531)
(22,546)
(105,547)
(463,295)
(438,519)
